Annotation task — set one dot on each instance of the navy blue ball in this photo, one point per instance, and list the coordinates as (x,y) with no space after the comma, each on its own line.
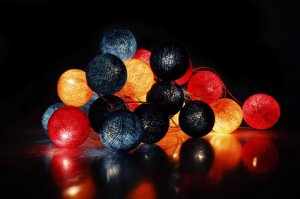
(196,119)
(169,61)
(106,74)
(119,42)
(86,108)
(155,122)
(167,96)
(102,107)
(47,114)
(121,131)
(196,155)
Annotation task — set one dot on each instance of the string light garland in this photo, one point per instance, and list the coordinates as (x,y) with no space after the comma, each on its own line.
(131,95)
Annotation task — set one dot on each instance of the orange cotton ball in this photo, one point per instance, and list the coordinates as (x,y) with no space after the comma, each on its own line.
(228,115)
(72,88)
(139,78)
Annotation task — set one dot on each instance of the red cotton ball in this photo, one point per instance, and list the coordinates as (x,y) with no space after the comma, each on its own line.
(68,127)
(261,111)
(182,80)
(205,86)
(143,55)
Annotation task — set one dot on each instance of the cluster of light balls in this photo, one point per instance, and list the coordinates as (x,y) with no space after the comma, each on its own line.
(131,96)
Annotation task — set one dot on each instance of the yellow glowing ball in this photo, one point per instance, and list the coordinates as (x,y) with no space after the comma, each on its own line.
(140,78)
(72,88)
(228,115)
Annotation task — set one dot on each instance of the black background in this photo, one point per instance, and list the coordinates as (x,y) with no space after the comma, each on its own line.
(253,44)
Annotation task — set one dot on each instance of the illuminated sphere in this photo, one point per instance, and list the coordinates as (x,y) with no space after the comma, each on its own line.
(167,96)
(228,115)
(261,111)
(143,55)
(72,88)
(102,107)
(121,130)
(155,122)
(260,155)
(196,155)
(205,86)
(119,42)
(185,78)
(139,78)
(68,127)
(87,106)
(47,114)
(106,74)
(169,61)
(196,119)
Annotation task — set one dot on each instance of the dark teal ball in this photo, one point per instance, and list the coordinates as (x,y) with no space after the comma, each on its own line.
(106,74)
(121,131)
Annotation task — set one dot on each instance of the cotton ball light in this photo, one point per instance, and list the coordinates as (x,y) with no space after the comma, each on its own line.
(47,114)
(169,60)
(139,78)
(68,127)
(102,107)
(143,55)
(72,88)
(119,42)
(121,131)
(155,122)
(167,96)
(106,74)
(228,115)
(196,119)
(205,86)
(261,111)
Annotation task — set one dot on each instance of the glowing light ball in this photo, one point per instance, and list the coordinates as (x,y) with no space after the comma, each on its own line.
(143,55)
(47,114)
(68,127)
(196,155)
(106,74)
(261,111)
(167,96)
(227,150)
(196,119)
(228,115)
(121,130)
(155,122)
(119,42)
(72,88)
(139,78)
(185,78)
(205,86)
(260,155)
(169,61)
(102,107)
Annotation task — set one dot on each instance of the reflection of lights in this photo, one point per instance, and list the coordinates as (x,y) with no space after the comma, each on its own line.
(112,171)
(73,191)
(260,155)
(145,190)
(66,164)
(254,162)
(199,156)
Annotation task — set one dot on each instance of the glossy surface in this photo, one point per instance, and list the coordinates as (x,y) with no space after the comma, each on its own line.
(72,88)
(33,167)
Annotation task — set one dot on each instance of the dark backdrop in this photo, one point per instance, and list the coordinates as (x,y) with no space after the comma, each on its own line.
(253,44)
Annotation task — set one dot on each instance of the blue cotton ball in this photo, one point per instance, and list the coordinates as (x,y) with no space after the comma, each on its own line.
(121,130)
(119,42)
(106,74)
(47,114)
